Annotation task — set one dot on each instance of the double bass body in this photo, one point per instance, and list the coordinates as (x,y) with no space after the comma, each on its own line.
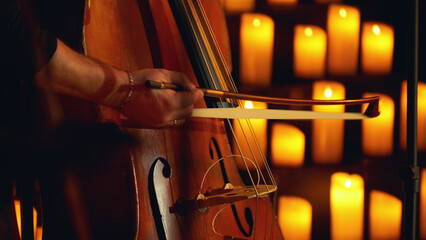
(166,166)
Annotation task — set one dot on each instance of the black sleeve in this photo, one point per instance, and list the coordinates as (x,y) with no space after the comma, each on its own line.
(25,46)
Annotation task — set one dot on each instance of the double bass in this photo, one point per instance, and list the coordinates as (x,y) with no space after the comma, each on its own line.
(175,183)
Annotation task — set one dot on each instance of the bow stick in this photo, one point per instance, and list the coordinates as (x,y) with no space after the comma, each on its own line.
(371,111)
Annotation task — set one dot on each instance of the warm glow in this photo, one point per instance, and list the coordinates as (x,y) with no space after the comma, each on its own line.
(37,230)
(295,217)
(385,216)
(309,51)
(327,134)
(248,105)
(343,25)
(421,116)
(348,183)
(347,206)
(377,45)
(244,136)
(256,49)
(288,145)
(238,6)
(308,32)
(256,22)
(377,133)
(328,93)
(342,12)
(422,215)
(282,2)
(376,29)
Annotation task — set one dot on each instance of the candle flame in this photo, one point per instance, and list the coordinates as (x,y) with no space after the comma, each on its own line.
(348,183)
(256,22)
(376,29)
(328,92)
(342,12)
(308,32)
(248,105)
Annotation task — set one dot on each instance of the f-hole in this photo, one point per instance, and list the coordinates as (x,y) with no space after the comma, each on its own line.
(156,211)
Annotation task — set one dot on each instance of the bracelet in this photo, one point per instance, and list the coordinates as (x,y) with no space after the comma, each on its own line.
(130,92)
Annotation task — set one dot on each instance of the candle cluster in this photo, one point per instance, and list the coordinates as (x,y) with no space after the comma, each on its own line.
(346,210)
(314,49)
(346,45)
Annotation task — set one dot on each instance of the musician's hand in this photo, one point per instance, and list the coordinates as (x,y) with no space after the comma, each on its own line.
(159,108)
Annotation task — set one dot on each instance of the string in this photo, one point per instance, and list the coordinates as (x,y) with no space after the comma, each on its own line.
(211,34)
(217,161)
(226,68)
(235,89)
(247,121)
(214,220)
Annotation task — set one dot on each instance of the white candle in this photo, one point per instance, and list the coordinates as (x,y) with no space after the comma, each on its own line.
(343,23)
(310,45)
(288,145)
(256,49)
(421,116)
(295,217)
(377,133)
(244,137)
(327,135)
(377,42)
(347,206)
(385,216)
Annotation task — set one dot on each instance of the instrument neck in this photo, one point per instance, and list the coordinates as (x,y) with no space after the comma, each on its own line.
(204,53)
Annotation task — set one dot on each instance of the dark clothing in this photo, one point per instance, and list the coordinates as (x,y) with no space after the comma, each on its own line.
(24,49)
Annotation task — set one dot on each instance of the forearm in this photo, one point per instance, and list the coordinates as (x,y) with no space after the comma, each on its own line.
(75,75)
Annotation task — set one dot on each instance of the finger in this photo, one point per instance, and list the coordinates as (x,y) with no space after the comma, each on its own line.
(184,99)
(182,114)
(175,123)
(181,80)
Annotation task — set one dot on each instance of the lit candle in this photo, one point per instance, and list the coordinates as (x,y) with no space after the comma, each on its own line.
(377,133)
(244,137)
(256,49)
(310,44)
(295,217)
(238,6)
(377,43)
(422,220)
(347,206)
(385,216)
(327,134)
(343,23)
(282,2)
(288,145)
(421,117)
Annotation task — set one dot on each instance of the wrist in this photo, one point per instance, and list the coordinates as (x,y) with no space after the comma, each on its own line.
(119,92)
(131,88)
